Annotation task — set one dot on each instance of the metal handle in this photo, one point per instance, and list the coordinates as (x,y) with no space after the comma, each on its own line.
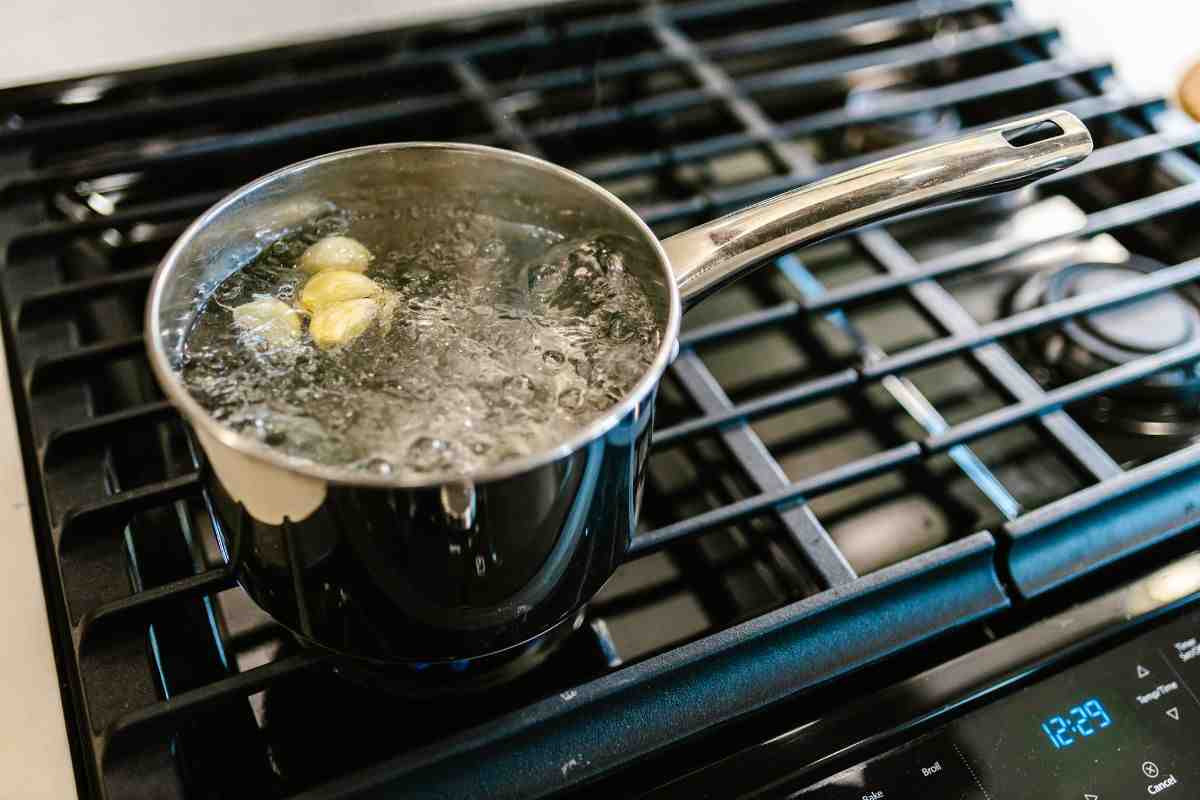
(995,160)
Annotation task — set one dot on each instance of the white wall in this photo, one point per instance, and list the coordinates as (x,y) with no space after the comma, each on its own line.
(46,38)
(1153,39)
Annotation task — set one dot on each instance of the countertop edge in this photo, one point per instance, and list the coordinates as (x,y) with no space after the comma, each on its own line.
(35,759)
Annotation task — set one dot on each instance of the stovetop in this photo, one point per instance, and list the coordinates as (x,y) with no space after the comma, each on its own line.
(881,453)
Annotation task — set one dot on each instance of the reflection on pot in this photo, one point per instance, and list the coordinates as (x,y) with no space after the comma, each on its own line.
(460,570)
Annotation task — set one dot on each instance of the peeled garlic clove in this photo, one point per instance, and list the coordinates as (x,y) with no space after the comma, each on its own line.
(339,323)
(335,252)
(270,318)
(335,286)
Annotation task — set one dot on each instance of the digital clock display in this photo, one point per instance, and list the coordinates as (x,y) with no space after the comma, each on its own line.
(1079,722)
(1124,723)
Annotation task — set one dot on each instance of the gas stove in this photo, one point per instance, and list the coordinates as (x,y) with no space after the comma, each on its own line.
(906,485)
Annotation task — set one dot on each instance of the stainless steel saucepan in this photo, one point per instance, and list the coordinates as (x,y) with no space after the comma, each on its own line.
(396,570)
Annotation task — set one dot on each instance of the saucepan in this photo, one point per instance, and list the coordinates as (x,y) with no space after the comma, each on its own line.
(446,571)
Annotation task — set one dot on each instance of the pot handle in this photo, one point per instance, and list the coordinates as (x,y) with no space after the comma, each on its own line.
(991,161)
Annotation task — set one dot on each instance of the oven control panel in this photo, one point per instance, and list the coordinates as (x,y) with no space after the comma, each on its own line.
(1125,724)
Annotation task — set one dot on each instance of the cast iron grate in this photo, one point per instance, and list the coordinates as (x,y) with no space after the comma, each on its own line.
(848,399)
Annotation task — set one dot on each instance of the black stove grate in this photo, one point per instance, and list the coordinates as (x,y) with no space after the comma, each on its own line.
(763,568)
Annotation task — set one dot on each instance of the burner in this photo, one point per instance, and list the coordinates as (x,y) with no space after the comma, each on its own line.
(1139,420)
(865,138)
(930,123)
(436,680)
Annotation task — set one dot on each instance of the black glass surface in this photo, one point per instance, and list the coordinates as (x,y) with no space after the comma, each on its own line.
(1121,725)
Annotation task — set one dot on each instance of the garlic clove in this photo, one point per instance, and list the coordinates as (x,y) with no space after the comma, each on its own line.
(334,286)
(270,318)
(339,323)
(335,252)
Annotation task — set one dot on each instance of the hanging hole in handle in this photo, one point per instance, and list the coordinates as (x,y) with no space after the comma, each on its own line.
(1032,134)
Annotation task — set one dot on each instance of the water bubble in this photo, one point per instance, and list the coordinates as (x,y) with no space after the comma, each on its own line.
(519,389)
(612,261)
(601,401)
(621,327)
(427,453)
(545,280)
(554,358)
(492,250)
(571,398)
(379,466)
(583,260)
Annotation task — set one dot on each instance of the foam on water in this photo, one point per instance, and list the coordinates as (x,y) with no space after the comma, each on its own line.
(502,341)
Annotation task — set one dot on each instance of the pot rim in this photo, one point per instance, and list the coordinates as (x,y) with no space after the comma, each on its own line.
(195,414)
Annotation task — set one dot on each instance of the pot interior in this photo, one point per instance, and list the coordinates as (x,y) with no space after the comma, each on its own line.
(396,197)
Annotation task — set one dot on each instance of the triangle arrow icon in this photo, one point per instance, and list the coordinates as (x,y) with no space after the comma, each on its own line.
(1142,671)
(1173,712)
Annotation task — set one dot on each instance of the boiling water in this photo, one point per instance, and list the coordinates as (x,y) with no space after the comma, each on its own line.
(504,339)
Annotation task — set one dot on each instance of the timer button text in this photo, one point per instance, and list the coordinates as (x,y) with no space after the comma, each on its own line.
(1161,786)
